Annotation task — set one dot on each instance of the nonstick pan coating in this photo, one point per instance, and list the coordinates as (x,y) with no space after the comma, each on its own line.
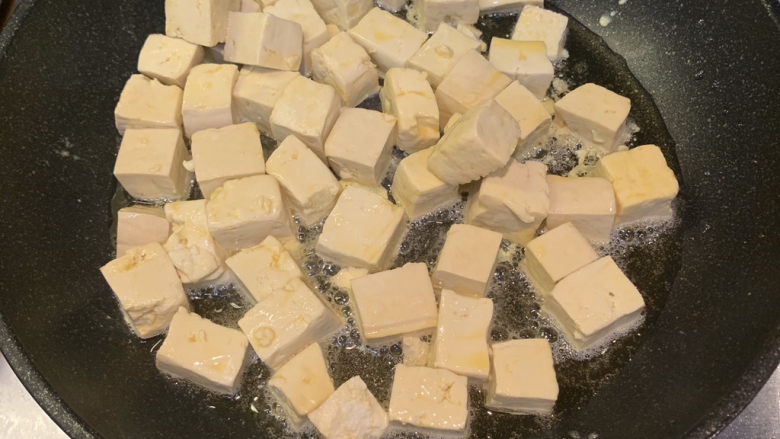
(711,67)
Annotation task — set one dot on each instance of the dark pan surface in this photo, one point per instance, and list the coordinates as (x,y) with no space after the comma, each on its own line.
(709,67)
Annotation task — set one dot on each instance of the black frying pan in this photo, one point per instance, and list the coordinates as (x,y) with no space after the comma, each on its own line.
(712,334)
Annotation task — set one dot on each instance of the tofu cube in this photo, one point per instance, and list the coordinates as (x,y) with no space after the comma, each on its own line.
(438,55)
(360,145)
(139,225)
(467,260)
(361,231)
(538,24)
(285,322)
(256,92)
(418,190)
(350,412)
(264,268)
(435,12)
(528,111)
(460,343)
(344,14)
(303,381)
(149,292)
(554,255)
(394,302)
(513,201)
(250,6)
(416,352)
(586,202)
(593,303)
(167,59)
(522,379)
(471,81)
(346,66)
(595,114)
(318,102)
(191,247)
(147,103)
(199,22)
(227,153)
(524,61)
(429,398)
(480,142)
(315,33)
(644,184)
(389,40)
(343,279)
(203,352)
(242,212)
(265,40)
(494,6)
(408,96)
(208,97)
(148,164)
(308,185)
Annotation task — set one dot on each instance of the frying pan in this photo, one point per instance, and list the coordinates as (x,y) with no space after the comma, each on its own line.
(711,67)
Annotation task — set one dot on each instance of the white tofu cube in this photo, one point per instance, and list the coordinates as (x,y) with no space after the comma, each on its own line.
(394,302)
(513,201)
(191,247)
(537,24)
(471,81)
(227,153)
(418,190)
(315,33)
(250,6)
(429,398)
(264,268)
(346,66)
(480,142)
(344,14)
(309,187)
(467,260)
(460,343)
(493,6)
(167,59)
(318,102)
(203,352)
(524,61)
(350,412)
(557,253)
(139,225)
(416,352)
(528,111)
(408,96)
(303,381)
(208,97)
(432,13)
(438,55)
(148,164)
(256,92)
(147,103)
(586,202)
(360,145)
(454,118)
(389,40)
(242,212)
(199,22)
(333,30)
(287,321)
(644,184)
(593,303)
(149,292)
(265,40)
(343,279)
(595,114)
(361,231)
(522,379)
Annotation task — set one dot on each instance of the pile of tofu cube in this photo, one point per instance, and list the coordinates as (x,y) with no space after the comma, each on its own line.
(296,70)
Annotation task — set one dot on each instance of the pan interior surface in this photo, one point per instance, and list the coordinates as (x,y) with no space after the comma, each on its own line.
(58,96)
